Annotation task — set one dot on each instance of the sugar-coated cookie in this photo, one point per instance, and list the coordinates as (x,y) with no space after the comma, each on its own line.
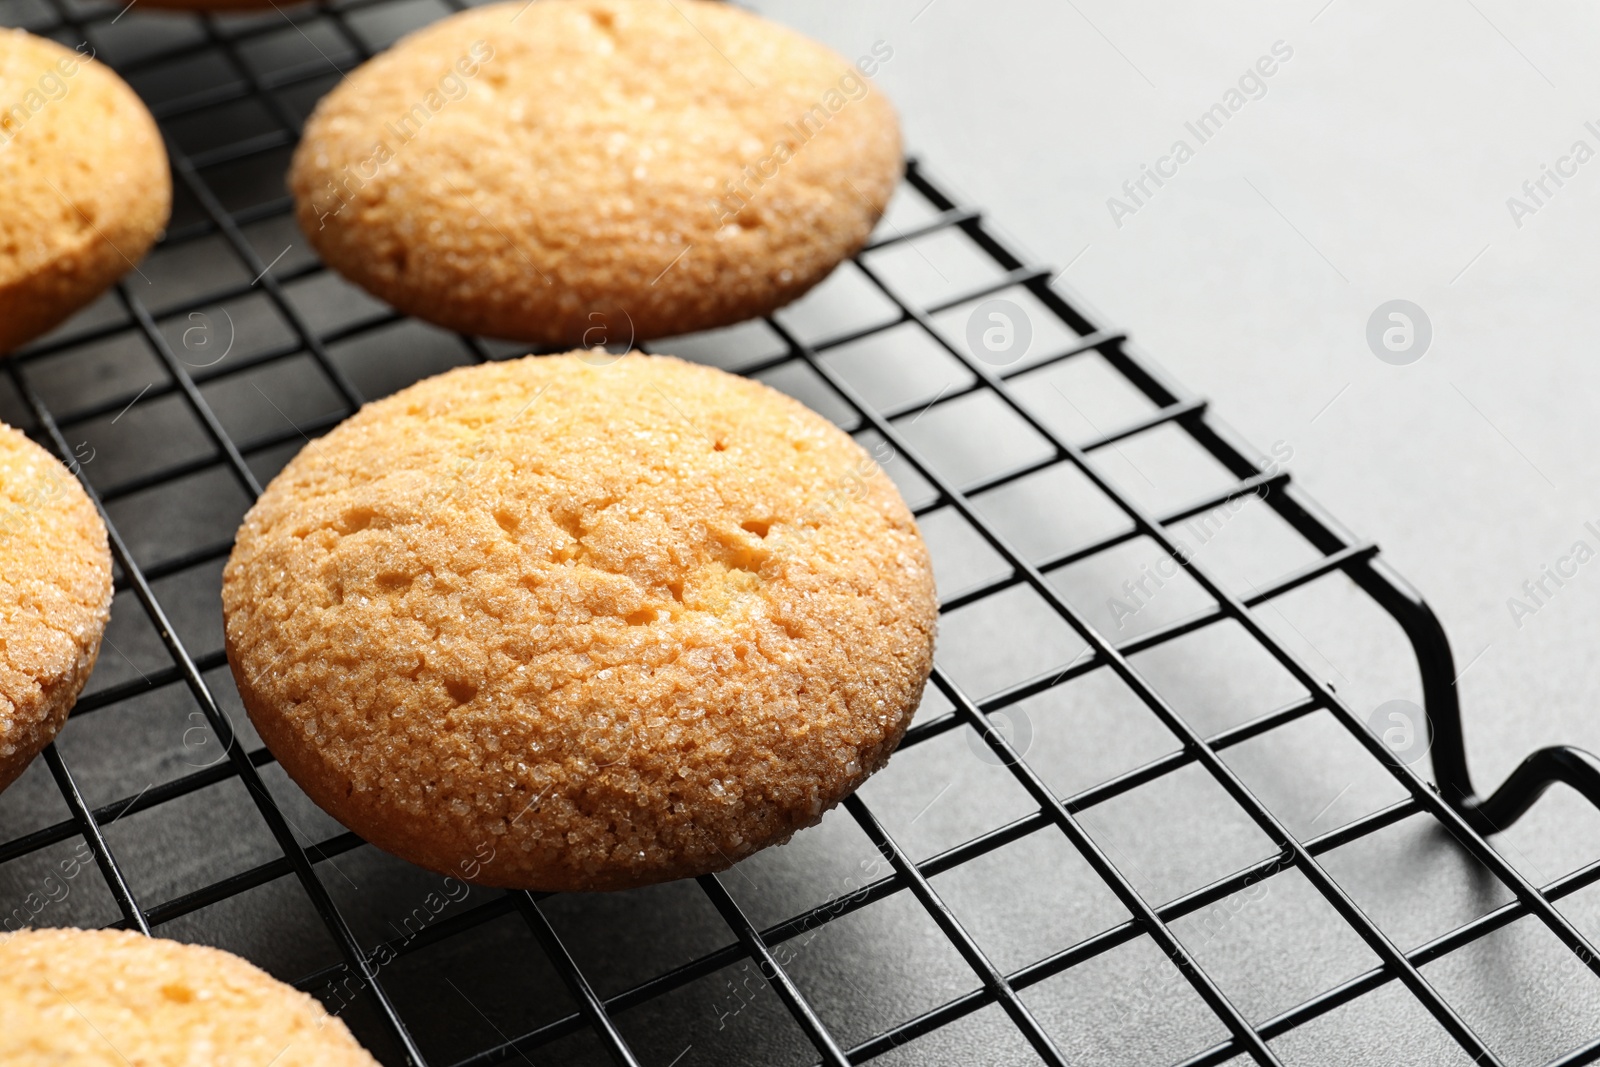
(111,998)
(55,597)
(85,184)
(564,626)
(593,171)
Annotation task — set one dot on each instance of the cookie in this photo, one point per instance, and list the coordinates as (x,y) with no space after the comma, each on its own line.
(583,172)
(55,597)
(110,998)
(551,625)
(85,179)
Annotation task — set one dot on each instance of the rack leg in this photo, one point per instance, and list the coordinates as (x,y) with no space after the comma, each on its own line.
(1560,764)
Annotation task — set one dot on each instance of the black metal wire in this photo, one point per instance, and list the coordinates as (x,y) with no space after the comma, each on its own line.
(589,1004)
(1130,897)
(298,858)
(1454,806)
(84,822)
(994,982)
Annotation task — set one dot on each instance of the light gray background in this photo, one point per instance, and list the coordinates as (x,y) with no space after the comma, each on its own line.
(1377,167)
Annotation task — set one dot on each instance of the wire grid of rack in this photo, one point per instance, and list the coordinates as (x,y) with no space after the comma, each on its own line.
(224,41)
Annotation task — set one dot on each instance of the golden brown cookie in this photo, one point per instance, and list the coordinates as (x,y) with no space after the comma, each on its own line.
(84,174)
(55,597)
(590,171)
(554,625)
(111,998)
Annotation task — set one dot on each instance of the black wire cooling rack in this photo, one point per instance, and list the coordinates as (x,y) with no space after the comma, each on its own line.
(230,93)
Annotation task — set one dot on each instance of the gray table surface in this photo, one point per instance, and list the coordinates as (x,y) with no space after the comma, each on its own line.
(1376,166)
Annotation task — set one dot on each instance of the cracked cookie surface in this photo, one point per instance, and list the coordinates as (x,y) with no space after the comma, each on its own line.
(597,171)
(561,624)
(55,597)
